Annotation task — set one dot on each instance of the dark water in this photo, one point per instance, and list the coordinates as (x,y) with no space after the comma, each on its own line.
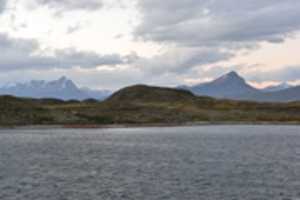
(209,163)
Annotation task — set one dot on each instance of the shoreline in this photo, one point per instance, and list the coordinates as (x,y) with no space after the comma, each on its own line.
(154,125)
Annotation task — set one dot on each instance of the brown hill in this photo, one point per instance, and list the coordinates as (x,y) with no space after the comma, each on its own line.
(143,93)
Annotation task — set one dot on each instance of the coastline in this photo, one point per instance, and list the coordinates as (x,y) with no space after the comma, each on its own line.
(154,125)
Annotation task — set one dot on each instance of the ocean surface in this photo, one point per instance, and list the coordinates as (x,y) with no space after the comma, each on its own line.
(186,163)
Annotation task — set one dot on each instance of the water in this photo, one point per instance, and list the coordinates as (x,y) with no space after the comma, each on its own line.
(189,163)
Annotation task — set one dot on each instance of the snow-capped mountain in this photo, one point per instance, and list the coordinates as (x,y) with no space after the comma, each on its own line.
(275,88)
(63,88)
(96,94)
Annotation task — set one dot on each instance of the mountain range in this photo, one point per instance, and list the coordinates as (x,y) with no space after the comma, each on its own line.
(229,86)
(233,86)
(275,88)
(63,88)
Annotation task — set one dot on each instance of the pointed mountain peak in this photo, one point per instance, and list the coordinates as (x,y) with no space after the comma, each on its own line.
(62,83)
(231,77)
(63,79)
(232,74)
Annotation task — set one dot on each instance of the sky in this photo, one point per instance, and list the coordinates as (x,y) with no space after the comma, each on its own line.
(109,44)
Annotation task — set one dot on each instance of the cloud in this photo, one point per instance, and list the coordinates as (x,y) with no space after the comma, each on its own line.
(21,54)
(290,73)
(284,74)
(74,28)
(71,5)
(216,30)
(226,23)
(181,61)
(2,5)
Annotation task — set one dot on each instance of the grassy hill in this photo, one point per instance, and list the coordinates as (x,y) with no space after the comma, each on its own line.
(143,93)
(143,105)
(18,111)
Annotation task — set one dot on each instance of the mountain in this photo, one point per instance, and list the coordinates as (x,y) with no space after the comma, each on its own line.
(229,86)
(285,95)
(275,88)
(63,88)
(233,86)
(96,94)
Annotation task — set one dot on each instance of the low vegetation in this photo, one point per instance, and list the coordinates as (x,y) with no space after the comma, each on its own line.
(143,105)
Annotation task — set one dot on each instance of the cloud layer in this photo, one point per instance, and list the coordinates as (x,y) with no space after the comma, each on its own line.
(2,5)
(179,39)
(216,30)
(67,5)
(180,61)
(212,22)
(21,54)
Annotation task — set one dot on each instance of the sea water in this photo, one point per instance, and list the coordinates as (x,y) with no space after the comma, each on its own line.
(179,163)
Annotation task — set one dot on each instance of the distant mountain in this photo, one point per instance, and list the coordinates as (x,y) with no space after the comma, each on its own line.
(63,88)
(96,94)
(275,88)
(231,86)
(285,95)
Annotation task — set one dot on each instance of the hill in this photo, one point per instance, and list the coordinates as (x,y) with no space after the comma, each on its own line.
(142,105)
(17,111)
(143,93)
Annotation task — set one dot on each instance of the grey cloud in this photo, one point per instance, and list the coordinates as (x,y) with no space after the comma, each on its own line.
(20,54)
(72,57)
(288,73)
(181,61)
(291,73)
(224,22)
(69,5)
(73,28)
(2,5)
(223,26)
